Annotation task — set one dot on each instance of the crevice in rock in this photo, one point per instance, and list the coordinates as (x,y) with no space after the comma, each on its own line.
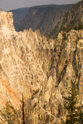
(62,74)
(76,66)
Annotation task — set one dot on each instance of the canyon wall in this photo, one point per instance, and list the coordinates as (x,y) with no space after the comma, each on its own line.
(39,69)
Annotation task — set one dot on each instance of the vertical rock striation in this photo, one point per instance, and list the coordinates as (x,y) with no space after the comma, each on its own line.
(40,69)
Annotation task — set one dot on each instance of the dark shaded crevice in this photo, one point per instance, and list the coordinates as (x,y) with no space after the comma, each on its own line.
(62,74)
(74,64)
(55,53)
(52,66)
(63,45)
(77,66)
(79,73)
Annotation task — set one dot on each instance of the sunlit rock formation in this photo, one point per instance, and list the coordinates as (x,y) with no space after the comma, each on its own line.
(40,70)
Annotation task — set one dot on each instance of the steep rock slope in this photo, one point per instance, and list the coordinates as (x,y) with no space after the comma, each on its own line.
(72,19)
(41,70)
(20,58)
(44,18)
(18,15)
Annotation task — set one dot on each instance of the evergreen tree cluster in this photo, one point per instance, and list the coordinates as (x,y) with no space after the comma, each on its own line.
(74,112)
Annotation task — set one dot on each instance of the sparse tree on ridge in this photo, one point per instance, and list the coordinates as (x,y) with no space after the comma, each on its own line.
(8,114)
(23,112)
(71,106)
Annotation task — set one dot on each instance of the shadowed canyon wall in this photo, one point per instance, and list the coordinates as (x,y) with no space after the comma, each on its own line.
(39,69)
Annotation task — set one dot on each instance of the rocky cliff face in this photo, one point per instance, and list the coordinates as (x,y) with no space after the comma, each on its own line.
(20,60)
(72,19)
(44,18)
(18,15)
(40,69)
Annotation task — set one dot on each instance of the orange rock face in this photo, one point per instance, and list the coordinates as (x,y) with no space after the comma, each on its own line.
(40,69)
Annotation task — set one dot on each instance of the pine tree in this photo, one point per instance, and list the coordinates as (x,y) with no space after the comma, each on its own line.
(81,115)
(71,106)
(8,114)
(23,112)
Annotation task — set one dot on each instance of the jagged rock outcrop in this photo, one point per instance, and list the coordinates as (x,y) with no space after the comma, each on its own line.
(41,70)
(23,55)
